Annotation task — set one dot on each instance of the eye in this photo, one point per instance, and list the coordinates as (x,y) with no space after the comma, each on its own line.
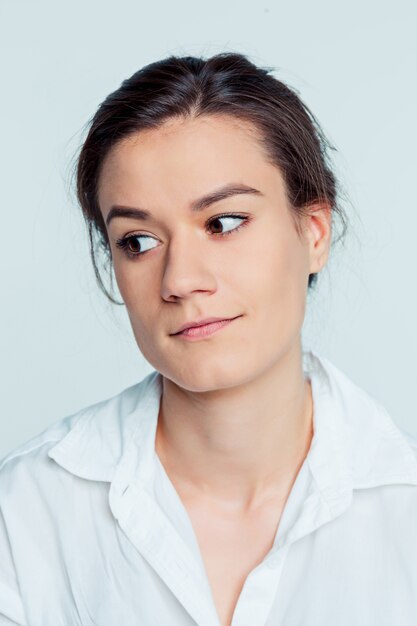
(134,249)
(228,218)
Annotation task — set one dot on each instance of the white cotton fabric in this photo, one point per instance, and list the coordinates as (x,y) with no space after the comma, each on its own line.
(93,532)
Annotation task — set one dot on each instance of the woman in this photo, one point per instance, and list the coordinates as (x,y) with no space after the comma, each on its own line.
(245,481)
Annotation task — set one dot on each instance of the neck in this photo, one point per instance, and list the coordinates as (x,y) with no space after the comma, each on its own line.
(238,446)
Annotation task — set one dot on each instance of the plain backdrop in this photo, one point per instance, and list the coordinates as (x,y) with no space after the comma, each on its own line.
(63,346)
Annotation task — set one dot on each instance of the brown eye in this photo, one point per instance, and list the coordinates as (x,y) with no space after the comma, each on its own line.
(132,246)
(216,223)
(229,220)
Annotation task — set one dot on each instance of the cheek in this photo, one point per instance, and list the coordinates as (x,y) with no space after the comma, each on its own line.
(279,280)
(123,284)
(131,283)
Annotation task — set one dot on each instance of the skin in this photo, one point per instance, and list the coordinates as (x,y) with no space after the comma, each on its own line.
(235,420)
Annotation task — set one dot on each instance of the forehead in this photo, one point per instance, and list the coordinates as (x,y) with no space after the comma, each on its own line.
(184,158)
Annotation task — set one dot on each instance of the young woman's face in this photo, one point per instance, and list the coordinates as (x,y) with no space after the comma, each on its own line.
(237,255)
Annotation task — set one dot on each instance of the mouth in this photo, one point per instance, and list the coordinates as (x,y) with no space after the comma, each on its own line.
(204,330)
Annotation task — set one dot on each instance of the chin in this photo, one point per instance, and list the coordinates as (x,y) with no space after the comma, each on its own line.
(200,378)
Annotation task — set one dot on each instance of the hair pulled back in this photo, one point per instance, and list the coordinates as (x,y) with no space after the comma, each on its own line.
(227,83)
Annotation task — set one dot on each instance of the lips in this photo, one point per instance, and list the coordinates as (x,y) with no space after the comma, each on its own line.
(201,322)
(195,333)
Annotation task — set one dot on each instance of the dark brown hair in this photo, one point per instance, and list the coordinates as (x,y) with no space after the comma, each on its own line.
(225,84)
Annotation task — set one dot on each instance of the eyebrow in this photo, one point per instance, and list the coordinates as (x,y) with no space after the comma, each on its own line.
(205,201)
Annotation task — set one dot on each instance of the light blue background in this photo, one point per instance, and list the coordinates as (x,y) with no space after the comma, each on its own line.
(354,63)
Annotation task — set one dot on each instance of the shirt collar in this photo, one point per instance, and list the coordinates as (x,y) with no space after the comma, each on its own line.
(355,444)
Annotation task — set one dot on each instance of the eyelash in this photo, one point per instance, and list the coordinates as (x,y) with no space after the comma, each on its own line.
(123,243)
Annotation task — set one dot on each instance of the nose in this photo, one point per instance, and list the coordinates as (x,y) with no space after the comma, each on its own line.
(187,268)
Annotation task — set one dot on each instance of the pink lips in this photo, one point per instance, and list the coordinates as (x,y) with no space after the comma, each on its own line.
(197,332)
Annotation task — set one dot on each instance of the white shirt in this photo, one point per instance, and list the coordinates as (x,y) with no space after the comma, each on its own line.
(93,532)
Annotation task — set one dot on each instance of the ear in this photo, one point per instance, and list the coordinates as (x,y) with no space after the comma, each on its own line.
(318,231)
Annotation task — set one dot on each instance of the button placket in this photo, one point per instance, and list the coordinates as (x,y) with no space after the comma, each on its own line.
(259,591)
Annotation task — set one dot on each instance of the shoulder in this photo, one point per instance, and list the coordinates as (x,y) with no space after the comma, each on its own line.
(30,457)
(100,427)
(411,440)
